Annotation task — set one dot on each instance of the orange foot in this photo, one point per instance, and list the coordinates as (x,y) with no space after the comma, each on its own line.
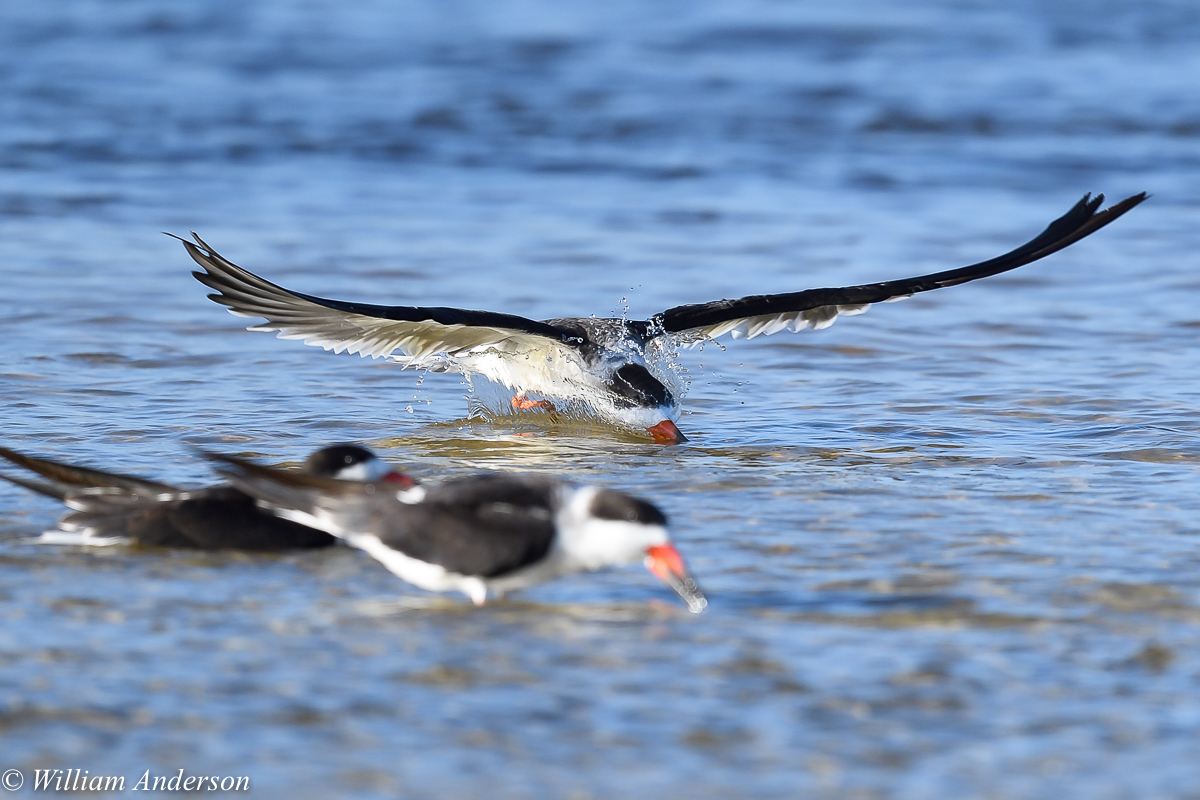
(523,403)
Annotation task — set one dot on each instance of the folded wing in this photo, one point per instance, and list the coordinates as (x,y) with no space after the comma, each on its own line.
(485,526)
(760,315)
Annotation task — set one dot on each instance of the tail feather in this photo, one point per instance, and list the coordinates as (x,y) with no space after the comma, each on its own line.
(327,504)
(284,488)
(70,475)
(49,488)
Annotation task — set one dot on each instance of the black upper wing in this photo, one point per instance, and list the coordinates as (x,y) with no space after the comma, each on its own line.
(221,518)
(109,505)
(225,518)
(759,314)
(486,525)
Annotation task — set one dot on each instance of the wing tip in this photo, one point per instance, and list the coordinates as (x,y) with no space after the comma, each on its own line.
(1083,219)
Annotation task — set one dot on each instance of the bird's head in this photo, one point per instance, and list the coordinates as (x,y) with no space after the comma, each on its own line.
(601,528)
(641,399)
(350,462)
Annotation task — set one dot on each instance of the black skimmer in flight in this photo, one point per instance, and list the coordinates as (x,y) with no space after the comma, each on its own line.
(109,508)
(483,535)
(613,367)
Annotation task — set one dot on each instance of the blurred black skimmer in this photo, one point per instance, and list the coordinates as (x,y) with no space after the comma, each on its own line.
(483,535)
(109,508)
(612,366)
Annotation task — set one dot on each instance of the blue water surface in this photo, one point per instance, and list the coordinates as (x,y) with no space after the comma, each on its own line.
(950,545)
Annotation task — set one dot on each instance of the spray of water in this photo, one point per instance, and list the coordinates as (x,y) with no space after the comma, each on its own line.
(492,401)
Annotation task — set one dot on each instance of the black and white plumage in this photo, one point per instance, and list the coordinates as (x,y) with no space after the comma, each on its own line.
(610,365)
(109,508)
(483,535)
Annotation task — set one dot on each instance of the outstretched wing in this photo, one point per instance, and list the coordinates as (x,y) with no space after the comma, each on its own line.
(760,315)
(416,334)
